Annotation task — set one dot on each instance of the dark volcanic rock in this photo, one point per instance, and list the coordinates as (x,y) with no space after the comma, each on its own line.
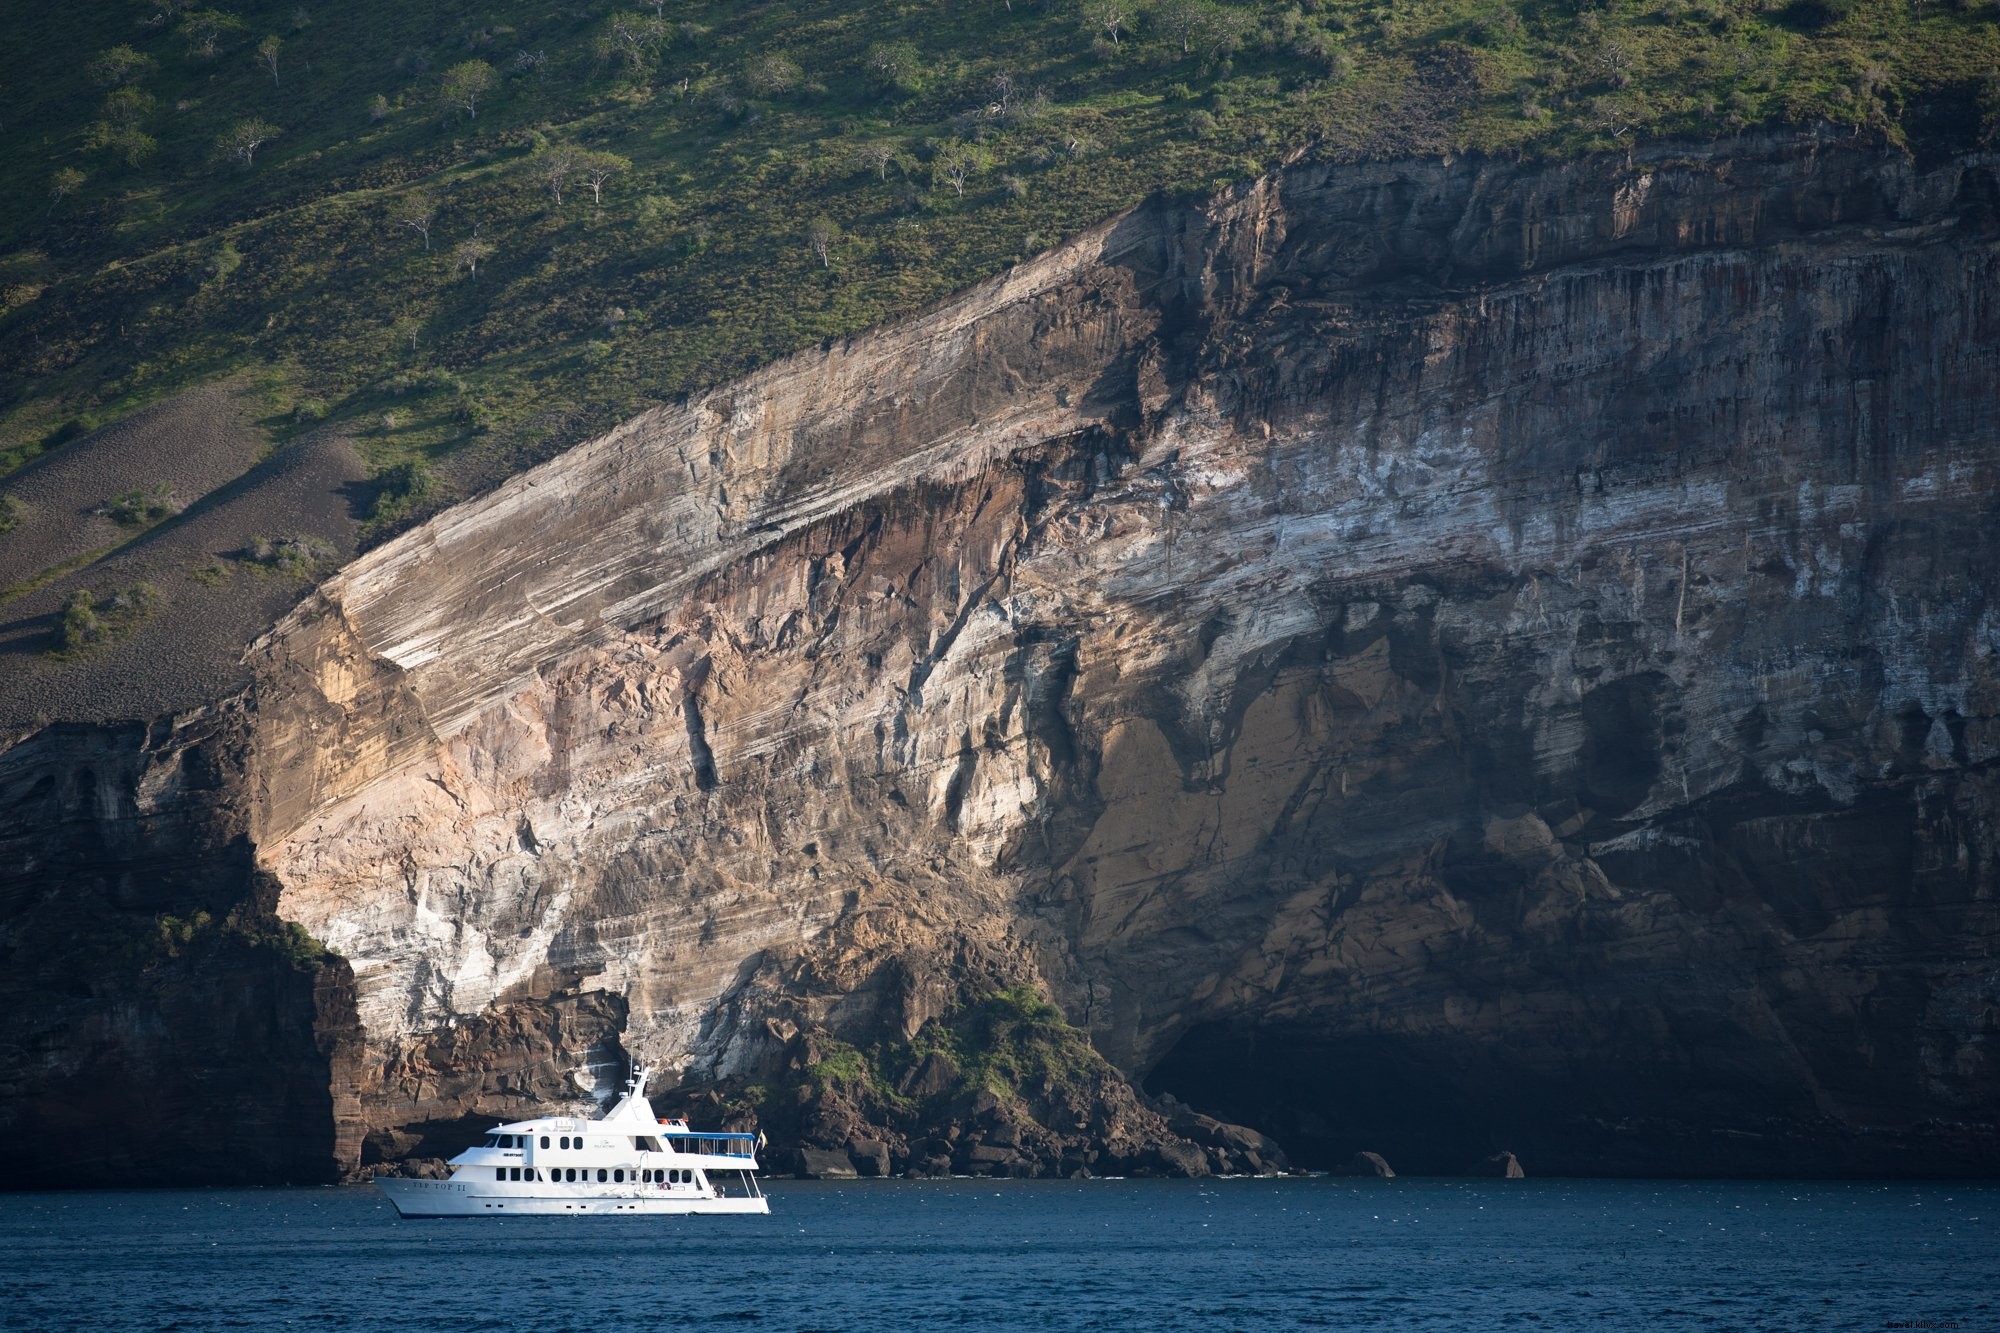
(1365,1164)
(823,1164)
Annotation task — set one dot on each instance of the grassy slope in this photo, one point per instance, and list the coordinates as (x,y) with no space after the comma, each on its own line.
(156,275)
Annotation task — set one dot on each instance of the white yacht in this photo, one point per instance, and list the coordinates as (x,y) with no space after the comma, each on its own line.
(628,1162)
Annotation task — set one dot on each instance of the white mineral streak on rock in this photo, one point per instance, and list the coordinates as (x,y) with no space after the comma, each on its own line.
(1385,601)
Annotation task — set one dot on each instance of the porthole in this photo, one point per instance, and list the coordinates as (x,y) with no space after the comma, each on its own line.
(602,1175)
(545,1140)
(618,1176)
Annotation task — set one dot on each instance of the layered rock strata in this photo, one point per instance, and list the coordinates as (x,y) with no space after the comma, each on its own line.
(1431,658)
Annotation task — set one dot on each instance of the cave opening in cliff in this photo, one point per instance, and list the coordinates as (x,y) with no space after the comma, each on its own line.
(1325,1099)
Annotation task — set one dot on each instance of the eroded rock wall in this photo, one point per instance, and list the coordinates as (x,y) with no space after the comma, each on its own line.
(1420,657)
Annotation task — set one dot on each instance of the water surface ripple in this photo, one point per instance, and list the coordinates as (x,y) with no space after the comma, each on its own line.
(1262,1254)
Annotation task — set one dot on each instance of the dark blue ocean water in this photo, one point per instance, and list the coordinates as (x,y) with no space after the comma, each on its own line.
(1030,1255)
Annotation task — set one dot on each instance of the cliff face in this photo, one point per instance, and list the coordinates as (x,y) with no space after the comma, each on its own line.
(1428,658)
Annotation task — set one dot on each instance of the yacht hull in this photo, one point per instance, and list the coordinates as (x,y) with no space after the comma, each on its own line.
(458,1198)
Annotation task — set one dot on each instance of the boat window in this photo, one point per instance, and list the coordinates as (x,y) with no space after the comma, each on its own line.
(563,1142)
(618,1176)
(602,1175)
(545,1140)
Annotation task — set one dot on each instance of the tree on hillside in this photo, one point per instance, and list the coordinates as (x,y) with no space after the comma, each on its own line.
(66,182)
(464,84)
(1114,16)
(557,165)
(267,53)
(1191,23)
(773,73)
(879,154)
(417,211)
(821,237)
(897,66)
(118,128)
(634,39)
(117,67)
(957,162)
(1005,90)
(596,169)
(203,30)
(242,140)
(470,254)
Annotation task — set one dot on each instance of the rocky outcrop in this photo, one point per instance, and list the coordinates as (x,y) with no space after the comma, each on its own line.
(1501,1166)
(1370,1164)
(1412,656)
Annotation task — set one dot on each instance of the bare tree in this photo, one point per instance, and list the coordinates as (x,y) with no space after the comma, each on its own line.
(958,162)
(1114,16)
(1005,90)
(597,169)
(556,165)
(417,211)
(267,51)
(66,182)
(879,154)
(464,84)
(470,254)
(821,237)
(242,140)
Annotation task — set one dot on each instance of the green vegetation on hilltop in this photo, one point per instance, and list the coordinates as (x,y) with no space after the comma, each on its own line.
(478,230)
